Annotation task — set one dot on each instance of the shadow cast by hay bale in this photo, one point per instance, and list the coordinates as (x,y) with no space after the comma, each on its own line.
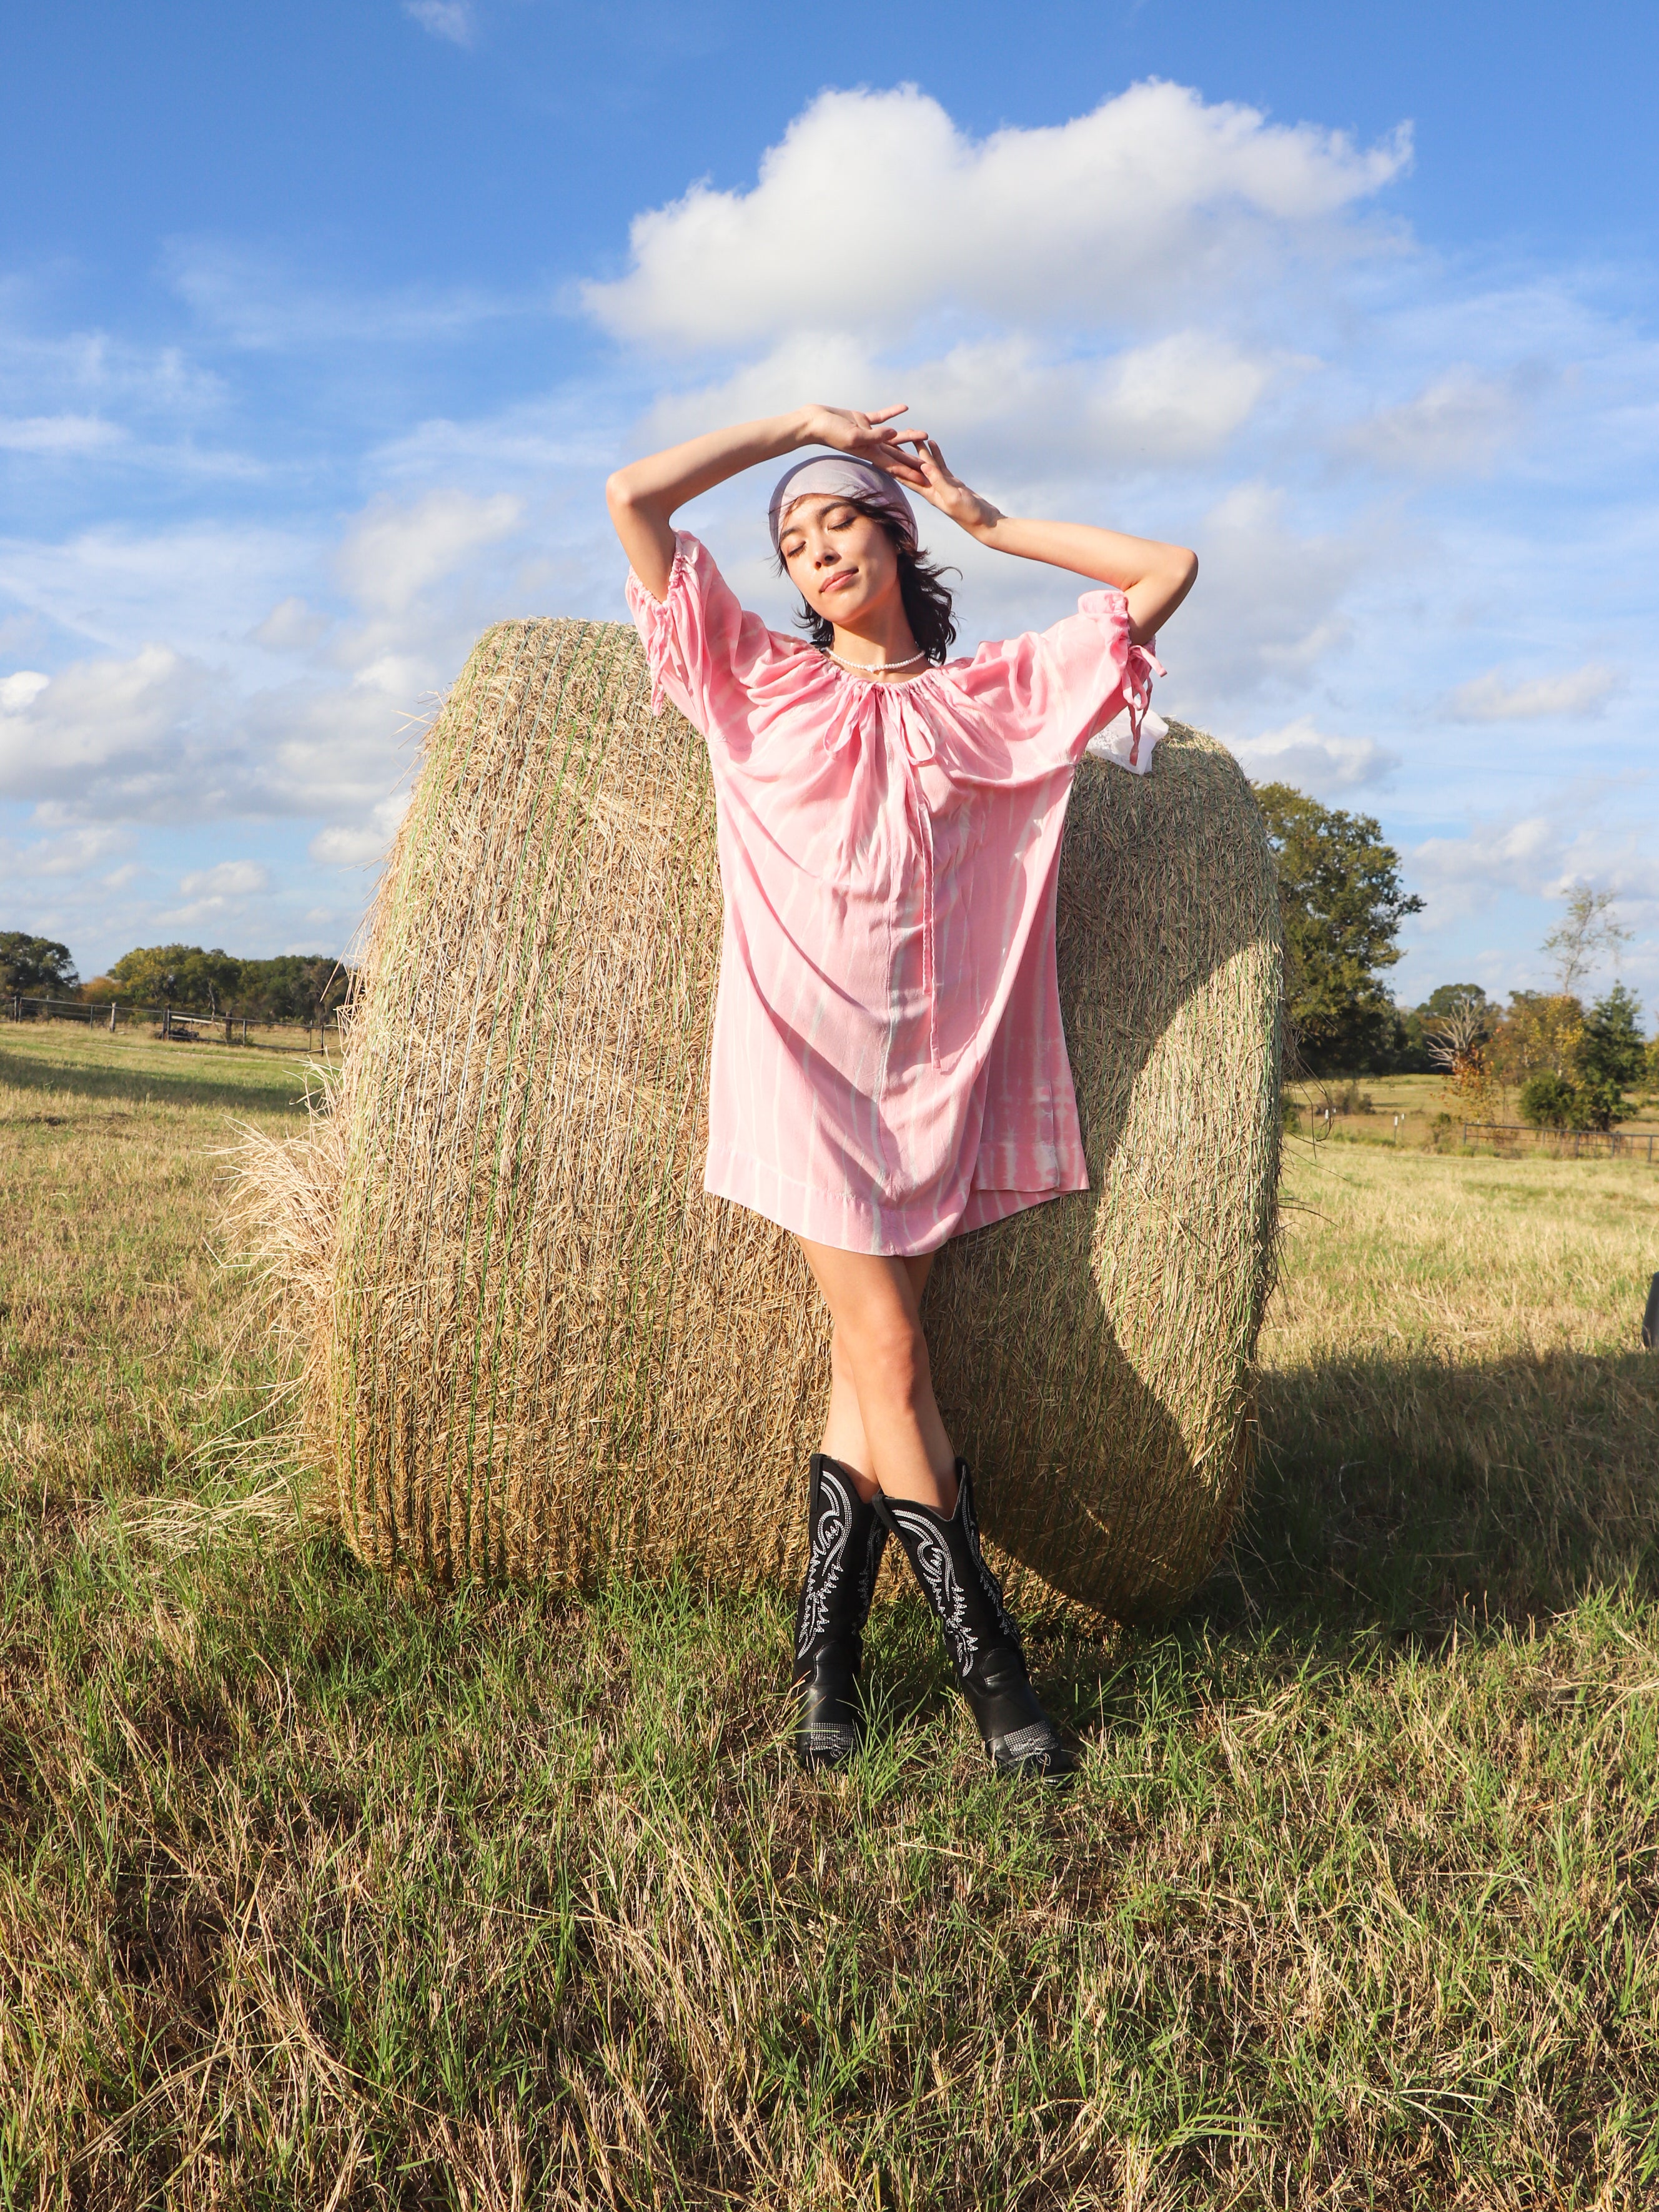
(1405,1493)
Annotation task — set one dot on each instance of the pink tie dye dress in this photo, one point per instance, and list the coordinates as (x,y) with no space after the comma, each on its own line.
(888,1068)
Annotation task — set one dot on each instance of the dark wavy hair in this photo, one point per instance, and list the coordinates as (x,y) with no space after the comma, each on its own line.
(921,587)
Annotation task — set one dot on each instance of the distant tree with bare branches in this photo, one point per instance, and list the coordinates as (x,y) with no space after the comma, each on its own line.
(1584,933)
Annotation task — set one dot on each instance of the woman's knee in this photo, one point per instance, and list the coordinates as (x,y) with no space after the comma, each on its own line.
(887,1356)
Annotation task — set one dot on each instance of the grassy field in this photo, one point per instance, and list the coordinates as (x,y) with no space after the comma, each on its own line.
(1403,1111)
(315,1892)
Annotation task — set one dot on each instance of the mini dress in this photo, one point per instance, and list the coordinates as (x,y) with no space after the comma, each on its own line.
(888,1066)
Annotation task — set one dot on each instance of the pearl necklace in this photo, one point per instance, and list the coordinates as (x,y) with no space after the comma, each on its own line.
(870,667)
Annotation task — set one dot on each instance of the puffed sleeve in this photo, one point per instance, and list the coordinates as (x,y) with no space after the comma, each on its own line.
(1082,685)
(693,637)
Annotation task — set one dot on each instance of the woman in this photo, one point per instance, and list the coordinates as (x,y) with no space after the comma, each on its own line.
(888,1068)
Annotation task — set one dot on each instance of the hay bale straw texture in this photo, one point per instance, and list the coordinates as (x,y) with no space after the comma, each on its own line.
(533,1345)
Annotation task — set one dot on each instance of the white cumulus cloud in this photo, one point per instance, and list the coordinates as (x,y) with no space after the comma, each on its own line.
(101,723)
(875,210)
(1323,767)
(1577,692)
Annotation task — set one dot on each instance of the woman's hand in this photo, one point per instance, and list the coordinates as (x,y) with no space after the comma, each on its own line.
(932,478)
(866,437)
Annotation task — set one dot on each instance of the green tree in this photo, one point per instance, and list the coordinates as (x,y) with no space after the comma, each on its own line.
(39,967)
(1340,890)
(1614,1049)
(1550,1101)
(295,986)
(1449,997)
(181,976)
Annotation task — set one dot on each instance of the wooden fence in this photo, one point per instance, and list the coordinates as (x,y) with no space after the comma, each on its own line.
(1567,1144)
(172,1022)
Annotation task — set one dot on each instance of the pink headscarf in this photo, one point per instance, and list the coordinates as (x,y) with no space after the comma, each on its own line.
(840,475)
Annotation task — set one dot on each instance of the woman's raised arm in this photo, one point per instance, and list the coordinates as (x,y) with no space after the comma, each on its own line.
(1153,577)
(643,495)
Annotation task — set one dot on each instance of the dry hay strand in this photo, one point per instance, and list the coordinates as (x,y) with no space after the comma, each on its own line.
(533,1346)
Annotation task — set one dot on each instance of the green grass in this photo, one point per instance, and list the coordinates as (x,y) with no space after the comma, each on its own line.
(1402,1110)
(135,1069)
(316,1890)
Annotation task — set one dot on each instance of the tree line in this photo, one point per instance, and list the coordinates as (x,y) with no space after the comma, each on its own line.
(293,987)
(1343,903)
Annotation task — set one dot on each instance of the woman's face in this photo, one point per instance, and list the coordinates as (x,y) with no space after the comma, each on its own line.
(841,561)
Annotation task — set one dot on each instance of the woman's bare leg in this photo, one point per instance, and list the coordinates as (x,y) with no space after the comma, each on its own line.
(883,1424)
(843,1425)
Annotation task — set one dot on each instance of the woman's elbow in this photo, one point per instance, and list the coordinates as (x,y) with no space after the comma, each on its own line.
(1182,575)
(619,494)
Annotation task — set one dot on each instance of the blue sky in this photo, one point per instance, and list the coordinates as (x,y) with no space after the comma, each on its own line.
(321,326)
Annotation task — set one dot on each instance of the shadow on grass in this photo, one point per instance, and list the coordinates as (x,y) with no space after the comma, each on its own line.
(1406,1493)
(1398,1499)
(273,1090)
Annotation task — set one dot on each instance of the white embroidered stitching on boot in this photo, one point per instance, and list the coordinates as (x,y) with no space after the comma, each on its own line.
(933,1563)
(828,1539)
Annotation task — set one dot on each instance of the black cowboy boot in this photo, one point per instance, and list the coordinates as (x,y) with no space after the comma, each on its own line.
(845,1540)
(980,1633)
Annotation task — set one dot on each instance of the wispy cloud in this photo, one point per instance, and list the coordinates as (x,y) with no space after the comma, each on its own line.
(361,845)
(1458,425)
(1577,693)
(58,434)
(395,552)
(225,879)
(253,302)
(445,18)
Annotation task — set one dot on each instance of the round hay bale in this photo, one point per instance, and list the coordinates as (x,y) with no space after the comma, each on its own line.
(536,1348)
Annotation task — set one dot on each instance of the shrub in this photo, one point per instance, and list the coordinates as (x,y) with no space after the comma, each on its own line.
(1550,1101)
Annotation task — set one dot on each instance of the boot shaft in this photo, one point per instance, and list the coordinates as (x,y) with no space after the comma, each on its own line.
(845,1541)
(944,1551)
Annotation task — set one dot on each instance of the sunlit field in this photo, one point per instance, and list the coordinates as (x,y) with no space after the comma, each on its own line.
(316,1891)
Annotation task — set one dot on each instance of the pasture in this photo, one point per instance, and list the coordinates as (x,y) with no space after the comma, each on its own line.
(315,1890)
